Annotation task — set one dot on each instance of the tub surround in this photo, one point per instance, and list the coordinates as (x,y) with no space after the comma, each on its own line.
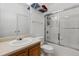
(6,49)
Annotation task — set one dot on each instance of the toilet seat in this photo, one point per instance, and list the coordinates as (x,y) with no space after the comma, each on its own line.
(47,48)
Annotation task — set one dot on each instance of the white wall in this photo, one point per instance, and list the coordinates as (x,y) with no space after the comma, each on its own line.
(8,17)
(37,19)
(8,20)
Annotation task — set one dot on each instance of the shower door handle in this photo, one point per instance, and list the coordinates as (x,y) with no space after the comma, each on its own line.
(58,36)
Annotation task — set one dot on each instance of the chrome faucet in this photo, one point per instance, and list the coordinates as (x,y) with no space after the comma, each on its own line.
(18,32)
(19,39)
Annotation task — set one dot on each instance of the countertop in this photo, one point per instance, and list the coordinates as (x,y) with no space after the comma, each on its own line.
(6,48)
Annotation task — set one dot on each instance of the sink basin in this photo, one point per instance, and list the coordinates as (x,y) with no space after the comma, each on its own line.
(21,42)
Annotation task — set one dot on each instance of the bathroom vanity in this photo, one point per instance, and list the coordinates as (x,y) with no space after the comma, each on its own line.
(12,48)
(31,50)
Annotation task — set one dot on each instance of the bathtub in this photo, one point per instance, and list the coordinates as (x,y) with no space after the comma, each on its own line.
(63,51)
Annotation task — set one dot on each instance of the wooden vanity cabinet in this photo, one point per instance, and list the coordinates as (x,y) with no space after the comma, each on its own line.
(23,52)
(32,50)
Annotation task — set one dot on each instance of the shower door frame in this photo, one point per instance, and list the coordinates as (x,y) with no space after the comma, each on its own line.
(45,27)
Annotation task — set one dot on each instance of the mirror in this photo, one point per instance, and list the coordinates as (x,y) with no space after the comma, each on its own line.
(14,20)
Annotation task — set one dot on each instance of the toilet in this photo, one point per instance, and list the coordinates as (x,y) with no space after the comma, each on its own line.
(47,49)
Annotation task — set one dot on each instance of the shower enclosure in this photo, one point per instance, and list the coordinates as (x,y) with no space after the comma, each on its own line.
(62,27)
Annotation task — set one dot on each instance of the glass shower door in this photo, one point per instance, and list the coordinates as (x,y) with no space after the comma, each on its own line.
(69,28)
(53,29)
(64,28)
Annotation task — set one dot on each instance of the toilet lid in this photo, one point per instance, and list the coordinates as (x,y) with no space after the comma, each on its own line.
(47,47)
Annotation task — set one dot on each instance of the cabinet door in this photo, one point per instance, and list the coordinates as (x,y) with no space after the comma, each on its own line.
(34,50)
(23,52)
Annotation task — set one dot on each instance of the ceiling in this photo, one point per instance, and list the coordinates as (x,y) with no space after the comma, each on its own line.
(59,6)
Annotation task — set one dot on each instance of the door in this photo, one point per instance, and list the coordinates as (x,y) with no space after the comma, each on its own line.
(53,28)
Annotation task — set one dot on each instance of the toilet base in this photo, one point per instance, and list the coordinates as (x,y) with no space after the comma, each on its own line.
(46,54)
(47,50)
